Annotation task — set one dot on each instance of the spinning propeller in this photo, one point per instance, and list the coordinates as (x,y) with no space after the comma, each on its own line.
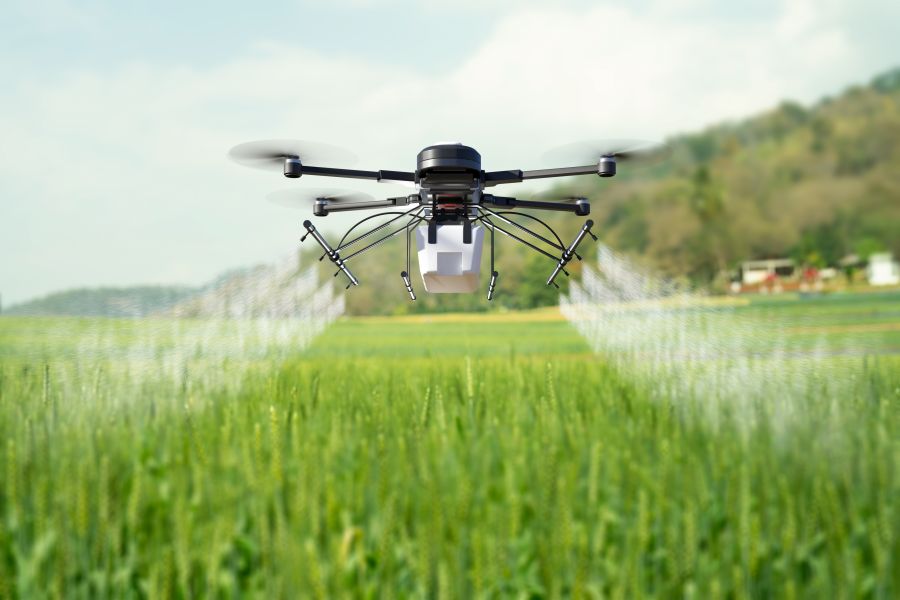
(590,151)
(269,155)
(607,152)
(327,200)
(307,198)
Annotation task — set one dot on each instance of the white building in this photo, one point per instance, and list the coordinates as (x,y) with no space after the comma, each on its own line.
(759,271)
(883,270)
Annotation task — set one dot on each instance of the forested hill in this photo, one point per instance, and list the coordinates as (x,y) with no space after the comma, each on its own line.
(815,183)
(135,301)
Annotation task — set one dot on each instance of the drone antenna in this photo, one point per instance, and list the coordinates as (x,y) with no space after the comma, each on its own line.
(405,274)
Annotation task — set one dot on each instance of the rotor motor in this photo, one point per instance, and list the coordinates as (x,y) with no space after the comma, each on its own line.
(293,168)
(583,206)
(607,166)
(448,157)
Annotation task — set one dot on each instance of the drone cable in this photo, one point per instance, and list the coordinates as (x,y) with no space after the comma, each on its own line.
(500,216)
(517,238)
(494,273)
(560,262)
(405,274)
(400,214)
(559,243)
(416,219)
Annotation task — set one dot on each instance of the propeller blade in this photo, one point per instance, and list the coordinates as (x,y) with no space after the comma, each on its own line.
(306,198)
(270,154)
(588,152)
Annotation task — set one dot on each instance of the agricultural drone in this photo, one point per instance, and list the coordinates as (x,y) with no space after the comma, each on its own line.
(449,210)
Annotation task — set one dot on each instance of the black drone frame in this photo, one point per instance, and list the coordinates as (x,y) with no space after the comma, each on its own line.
(494,220)
(450,190)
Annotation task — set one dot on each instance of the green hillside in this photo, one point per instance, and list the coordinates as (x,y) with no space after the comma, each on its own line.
(135,301)
(815,183)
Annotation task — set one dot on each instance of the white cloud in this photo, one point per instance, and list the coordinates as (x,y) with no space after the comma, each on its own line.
(120,177)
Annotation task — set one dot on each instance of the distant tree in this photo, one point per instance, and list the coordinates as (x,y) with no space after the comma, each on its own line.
(707,203)
(821,133)
(820,247)
(887,82)
(707,200)
(786,118)
(702,146)
(533,290)
(793,112)
(631,220)
(866,247)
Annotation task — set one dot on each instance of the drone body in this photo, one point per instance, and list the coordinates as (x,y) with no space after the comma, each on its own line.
(451,213)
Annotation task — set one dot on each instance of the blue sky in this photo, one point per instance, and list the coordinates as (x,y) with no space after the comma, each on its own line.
(117,116)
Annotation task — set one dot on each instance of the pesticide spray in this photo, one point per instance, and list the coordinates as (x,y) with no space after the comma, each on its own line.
(688,345)
(198,348)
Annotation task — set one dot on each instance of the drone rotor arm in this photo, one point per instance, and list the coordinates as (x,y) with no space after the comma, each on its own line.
(559,172)
(381,175)
(389,176)
(581,209)
(347,206)
(500,215)
(492,178)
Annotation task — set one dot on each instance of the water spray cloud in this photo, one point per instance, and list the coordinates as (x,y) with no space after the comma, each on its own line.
(200,347)
(691,345)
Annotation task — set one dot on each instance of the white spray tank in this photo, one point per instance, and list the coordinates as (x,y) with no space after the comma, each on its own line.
(450,266)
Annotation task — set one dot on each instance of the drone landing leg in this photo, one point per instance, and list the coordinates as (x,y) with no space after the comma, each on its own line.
(329,252)
(405,274)
(494,273)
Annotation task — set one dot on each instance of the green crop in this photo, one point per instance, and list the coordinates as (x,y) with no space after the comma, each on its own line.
(457,457)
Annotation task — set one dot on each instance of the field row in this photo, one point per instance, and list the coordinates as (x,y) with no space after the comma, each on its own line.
(457,459)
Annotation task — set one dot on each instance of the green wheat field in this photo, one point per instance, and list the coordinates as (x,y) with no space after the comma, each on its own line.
(438,457)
